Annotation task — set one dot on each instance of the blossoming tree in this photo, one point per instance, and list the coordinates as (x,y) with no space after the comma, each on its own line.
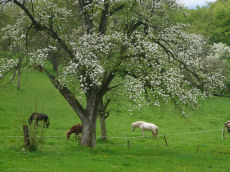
(121,42)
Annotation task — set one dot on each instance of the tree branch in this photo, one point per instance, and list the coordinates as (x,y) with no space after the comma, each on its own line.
(120,7)
(39,27)
(115,86)
(27,33)
(87,17)
(104,18)
(105,83)
(173,56)
(67,94)
(5,1)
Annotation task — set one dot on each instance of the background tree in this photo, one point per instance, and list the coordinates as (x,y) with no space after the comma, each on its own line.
(135,43)
(212,21)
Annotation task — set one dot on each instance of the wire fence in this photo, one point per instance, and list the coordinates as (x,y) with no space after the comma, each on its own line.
(128,141)
(125,137)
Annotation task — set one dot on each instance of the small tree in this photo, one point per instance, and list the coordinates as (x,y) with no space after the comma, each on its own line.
(219,58)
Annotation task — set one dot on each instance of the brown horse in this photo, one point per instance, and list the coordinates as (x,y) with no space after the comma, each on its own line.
(77,129)
(39,117)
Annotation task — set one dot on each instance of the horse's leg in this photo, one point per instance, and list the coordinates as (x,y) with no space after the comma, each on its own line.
(143,133)
(153,134)
(36,122)
(79,137)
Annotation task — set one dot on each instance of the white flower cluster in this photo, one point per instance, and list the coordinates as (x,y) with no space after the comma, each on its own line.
(219,51)
(214,82)
(93,55)
(15,33)
(166,73)
(6,65)
(135,92)
(51,15)
(39,56)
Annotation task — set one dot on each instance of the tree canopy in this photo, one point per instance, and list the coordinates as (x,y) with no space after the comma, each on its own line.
(132,43)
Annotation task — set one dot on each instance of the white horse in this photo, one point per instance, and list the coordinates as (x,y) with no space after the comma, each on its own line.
(145,126)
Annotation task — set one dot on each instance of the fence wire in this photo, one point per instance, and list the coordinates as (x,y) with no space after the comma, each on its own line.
(124,137)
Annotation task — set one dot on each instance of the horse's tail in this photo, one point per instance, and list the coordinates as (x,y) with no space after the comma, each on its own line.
(68,134)
(67,131)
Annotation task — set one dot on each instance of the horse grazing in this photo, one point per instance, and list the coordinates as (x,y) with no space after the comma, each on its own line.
(227,125)
(145,126)
(77,129)
(39,117)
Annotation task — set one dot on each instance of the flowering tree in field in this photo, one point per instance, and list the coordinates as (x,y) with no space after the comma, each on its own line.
(219,51)
(133,43)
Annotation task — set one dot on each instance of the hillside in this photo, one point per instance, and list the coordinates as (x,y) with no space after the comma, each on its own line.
(203,128)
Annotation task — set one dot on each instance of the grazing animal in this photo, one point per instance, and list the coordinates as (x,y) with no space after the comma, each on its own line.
(77,129)
(39,117)
(227,125)
(145,126)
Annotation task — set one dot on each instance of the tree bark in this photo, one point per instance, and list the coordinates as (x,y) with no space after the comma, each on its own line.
(102,115)
(19,78)
(90,118)
(89,133)
(103,128)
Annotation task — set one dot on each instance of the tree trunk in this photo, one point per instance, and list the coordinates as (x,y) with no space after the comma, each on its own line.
(88,116)
(89,134)
(19,78)
(89,120)
(103,128)
(102,114)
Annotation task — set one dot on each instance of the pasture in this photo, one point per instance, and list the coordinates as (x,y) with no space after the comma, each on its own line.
(145,154)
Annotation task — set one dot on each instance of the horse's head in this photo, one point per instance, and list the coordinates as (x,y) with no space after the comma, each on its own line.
(132,127)
(47,124)
(30,121)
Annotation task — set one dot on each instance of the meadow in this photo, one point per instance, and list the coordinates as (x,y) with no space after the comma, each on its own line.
(203,128)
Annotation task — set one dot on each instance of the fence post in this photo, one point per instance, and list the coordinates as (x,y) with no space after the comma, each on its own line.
(166,144)
(26,136)
(197,149)
(129,145)
(125,138)
(223,137)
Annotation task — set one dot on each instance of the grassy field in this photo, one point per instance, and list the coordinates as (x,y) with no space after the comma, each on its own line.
(145,154)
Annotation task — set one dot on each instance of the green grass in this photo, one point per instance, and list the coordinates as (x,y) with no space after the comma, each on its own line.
(145,154)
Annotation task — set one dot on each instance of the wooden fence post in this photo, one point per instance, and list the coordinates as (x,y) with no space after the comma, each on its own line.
(197,149)
(125,138)
(26,136)
(166,144)
(129,145)
(223,137)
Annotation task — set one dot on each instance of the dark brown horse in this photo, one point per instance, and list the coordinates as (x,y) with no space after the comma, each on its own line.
(77,129)
(39,117)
